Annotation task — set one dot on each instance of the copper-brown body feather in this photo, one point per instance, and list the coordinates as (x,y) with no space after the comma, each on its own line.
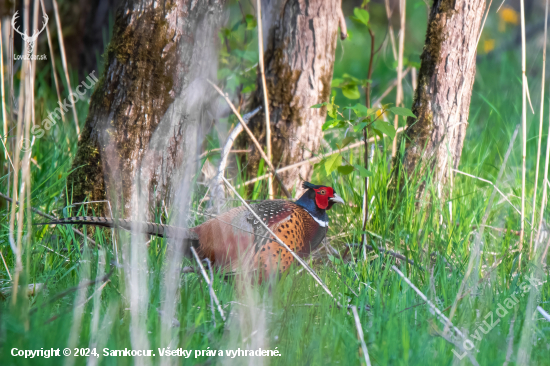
(236,240)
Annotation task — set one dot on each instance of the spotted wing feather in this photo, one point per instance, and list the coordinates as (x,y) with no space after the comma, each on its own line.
(300,232)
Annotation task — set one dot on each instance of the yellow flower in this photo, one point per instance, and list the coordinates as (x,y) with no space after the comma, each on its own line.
(488,45)
(379,113)
(509,15)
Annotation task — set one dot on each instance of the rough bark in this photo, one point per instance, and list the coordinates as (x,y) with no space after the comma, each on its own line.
(442,98)
(145,114)
(299,56)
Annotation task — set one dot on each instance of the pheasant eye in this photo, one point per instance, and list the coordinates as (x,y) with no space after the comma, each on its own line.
(322,191)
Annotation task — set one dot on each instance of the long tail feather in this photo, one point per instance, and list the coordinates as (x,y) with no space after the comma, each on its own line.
(148,228)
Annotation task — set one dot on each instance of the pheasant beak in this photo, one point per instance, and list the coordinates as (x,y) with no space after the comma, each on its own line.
(336,199)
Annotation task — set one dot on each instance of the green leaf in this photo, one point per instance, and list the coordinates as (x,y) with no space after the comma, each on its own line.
(249,88)
(345,169)
(351,91)
(347,140)
(384,128)
(352,79)
(362,171)
(226,32)
(335,83)
(224,73)
(251,22)
(319,105)
(251,56)
(400,111)
(330,124)
(379,134)
(361,15)
(332,163)
(360,126)
(361,110)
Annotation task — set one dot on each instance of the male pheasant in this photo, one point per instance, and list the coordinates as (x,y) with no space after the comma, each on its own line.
(236,241)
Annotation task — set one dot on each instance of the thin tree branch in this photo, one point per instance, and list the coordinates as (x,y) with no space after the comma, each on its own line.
(40,213)
(211,290)
(360,335)
(254,140)
(342,25)
(315,159)
(73,289)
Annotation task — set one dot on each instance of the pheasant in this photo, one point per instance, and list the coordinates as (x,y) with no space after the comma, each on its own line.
(237,241)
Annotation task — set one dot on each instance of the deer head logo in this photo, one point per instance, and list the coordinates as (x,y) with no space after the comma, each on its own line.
(29,40)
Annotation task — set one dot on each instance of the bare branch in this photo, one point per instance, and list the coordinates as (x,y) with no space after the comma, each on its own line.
(212,293)
(260,150)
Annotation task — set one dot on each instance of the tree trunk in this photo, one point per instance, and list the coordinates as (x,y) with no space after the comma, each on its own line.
(442,98)
(143,127)
(299,56)
(85,23)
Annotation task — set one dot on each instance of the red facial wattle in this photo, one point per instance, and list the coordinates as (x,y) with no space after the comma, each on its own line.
(322,196)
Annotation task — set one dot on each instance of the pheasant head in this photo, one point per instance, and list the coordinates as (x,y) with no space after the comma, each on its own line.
(317,199)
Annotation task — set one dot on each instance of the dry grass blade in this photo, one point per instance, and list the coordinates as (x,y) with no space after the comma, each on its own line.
(360,334)
(491,183)
(544,186)
(16,246)
(399,96)
(212,293)
(276,238)
(390,88)
(434,308)
(38,212)
(543,313)
(5,265)
(52,57)
(543,257)
(254,140)
(64,59)
(390,29)
(211,290)
(60,295)
(316,159)
(264,88)
(510,340)
(218,192)
(342,25)
(523,129)
(540,129)
(4,115)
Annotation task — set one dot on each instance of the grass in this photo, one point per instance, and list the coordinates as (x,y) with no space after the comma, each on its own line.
(293,314)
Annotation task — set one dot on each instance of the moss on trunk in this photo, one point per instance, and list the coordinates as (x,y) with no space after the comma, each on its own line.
(149,63)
